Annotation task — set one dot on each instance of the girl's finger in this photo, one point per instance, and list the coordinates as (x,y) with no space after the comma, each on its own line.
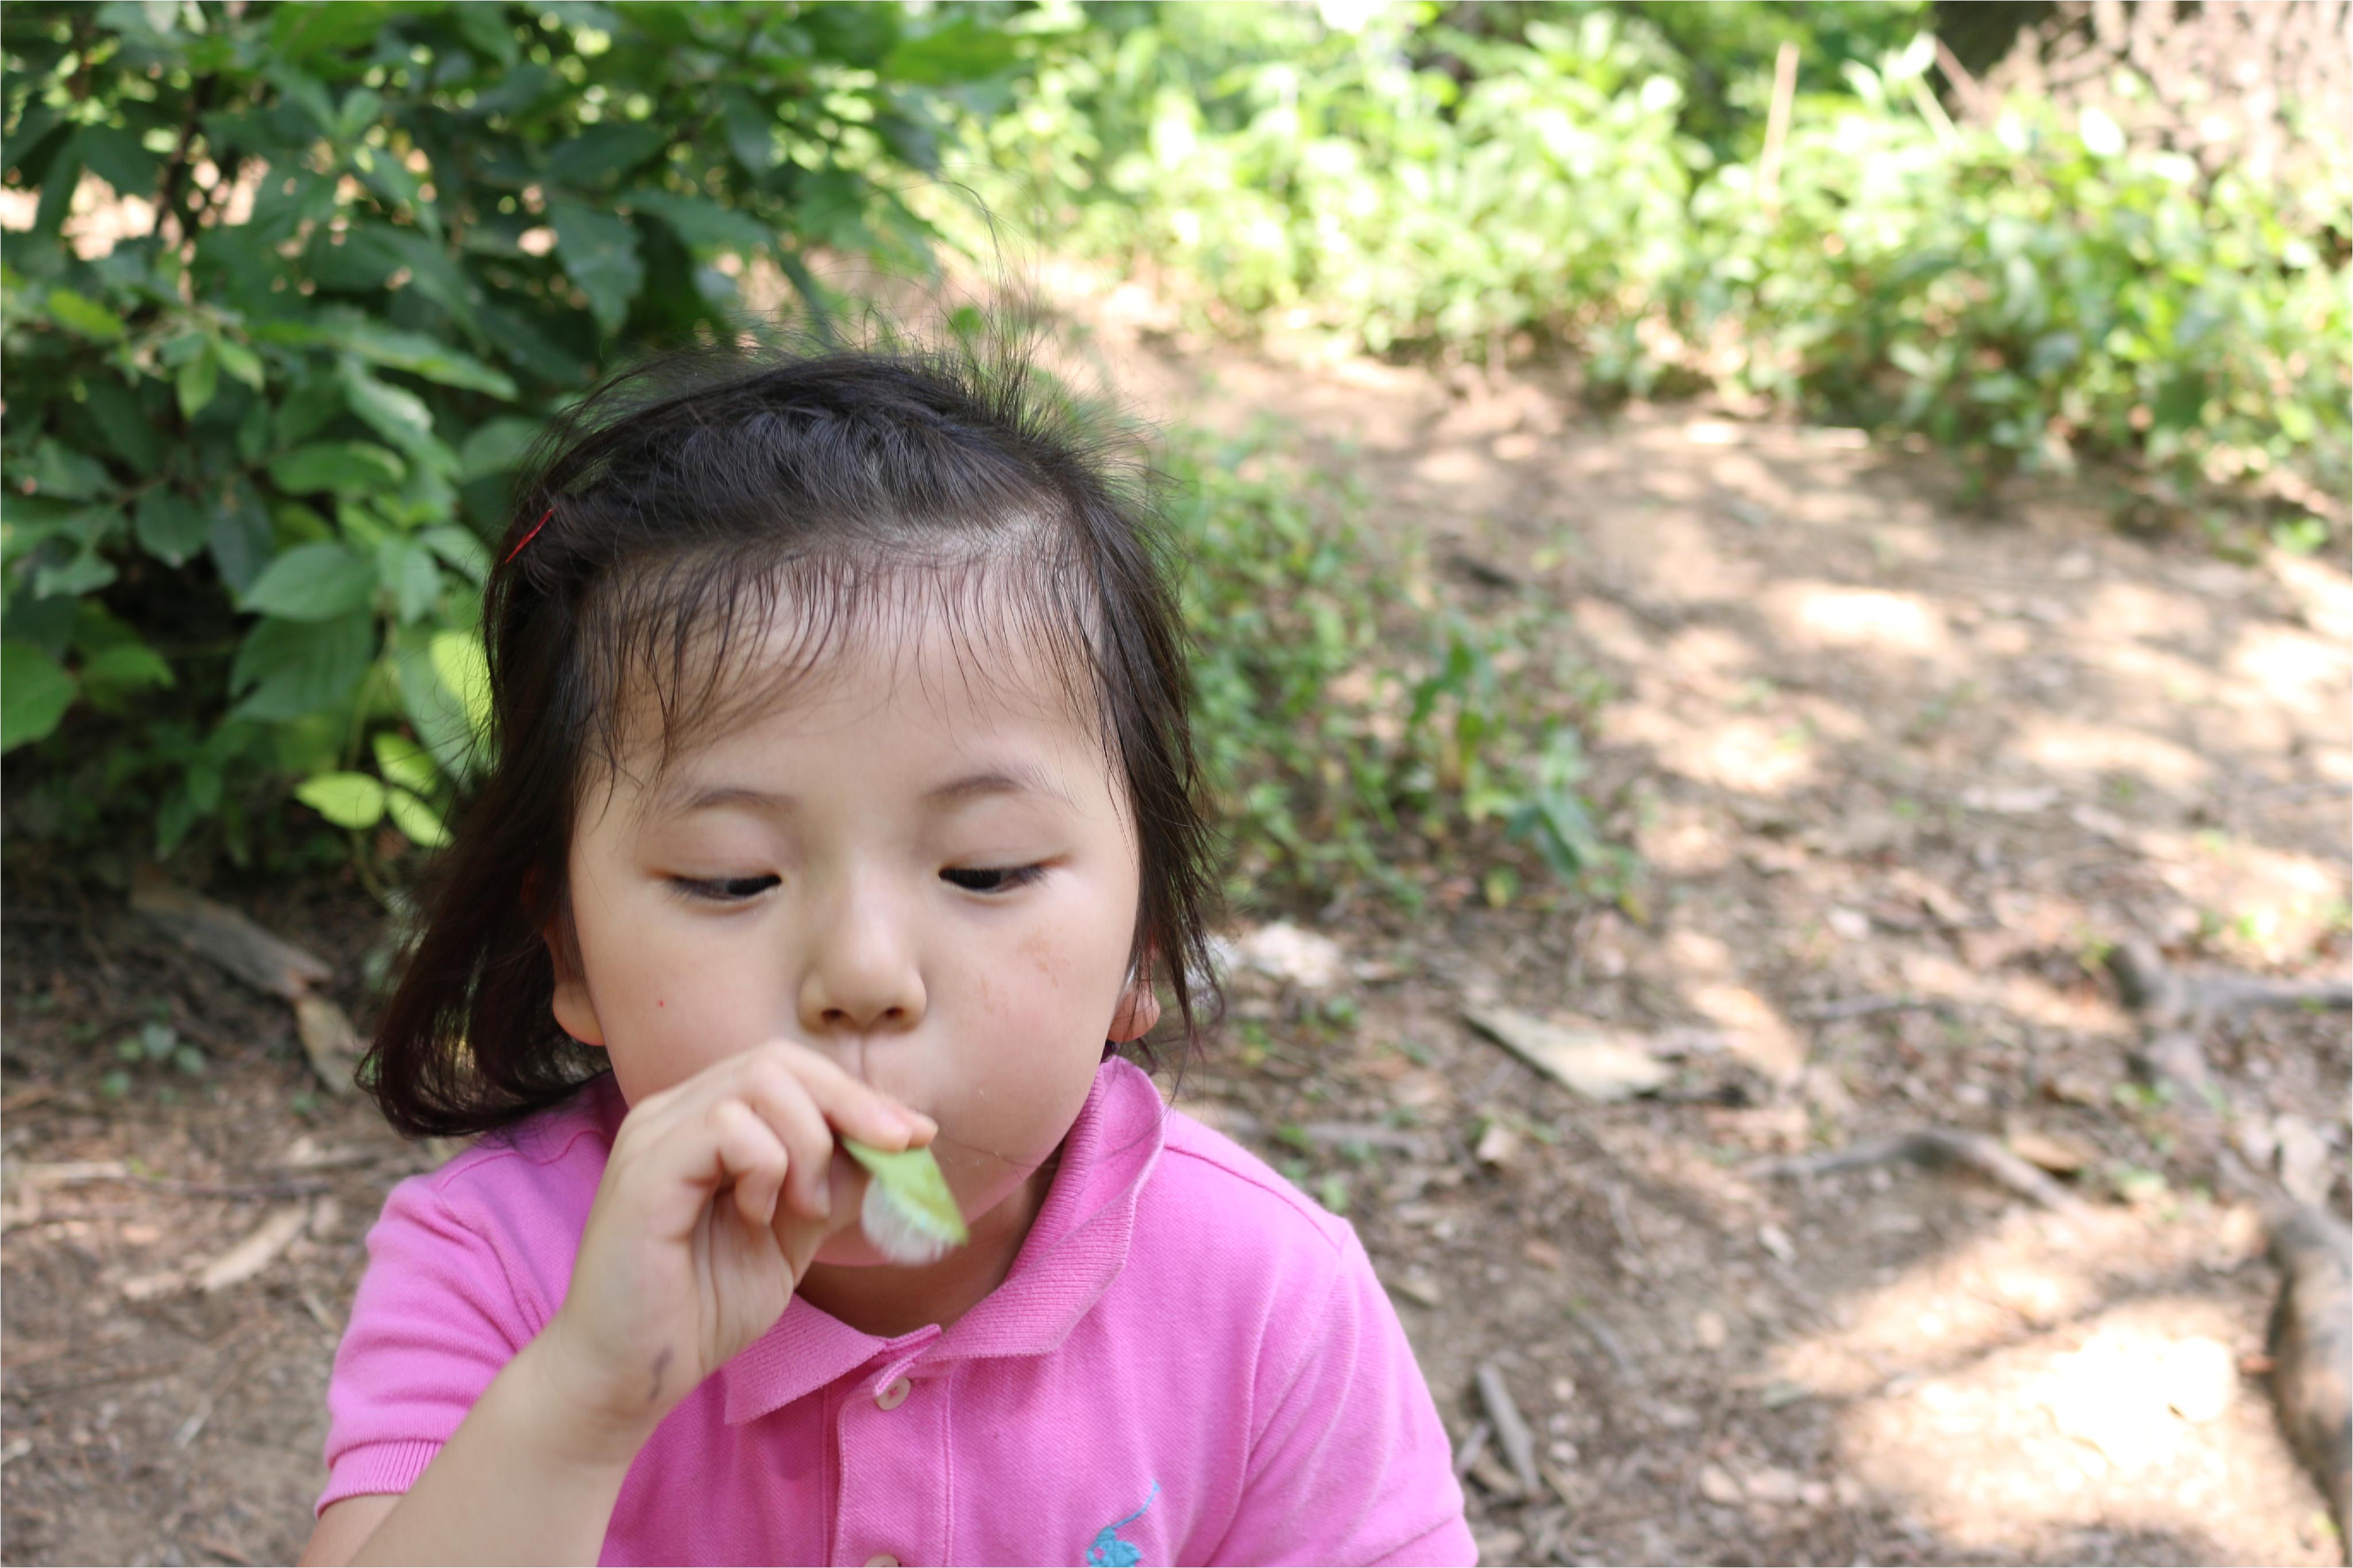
(793,1115)
(851,1104)
(750,1154)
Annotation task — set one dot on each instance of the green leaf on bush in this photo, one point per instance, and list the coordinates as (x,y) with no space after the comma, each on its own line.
(702,223)
(35,692)
(394,349)
(405,566)
(85,574)
(600,253)
(347,800)
(298,32)
(459,548)
(602,150)
(197,381)
(458,659)
(419,821)
(169,525)
(397,414)
(404,762)
(963,50)
(495,448)
(347,468)
(288,669)
(240,362)
(313,582)
(126,666)
(437,712)
(60,472)
(751,129)
(88,317)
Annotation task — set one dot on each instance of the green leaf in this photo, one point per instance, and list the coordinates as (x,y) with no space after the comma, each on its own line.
(347,800)
(85,574)
(197,381)
(913,1197)
(405,762)
(170,526)
(438,714)
(35,692)
(460,549)
(298,32)
(750,129)
(313,582)
(419,821)
(604,150)
(127,665)
(60,472)
(600,253)
(288,669)
(240,536)
(111,676)
(84,316)
(129,429)
(347,468)
(458,659)
(702,223)
(961,51)
(405,566)
(392,348)
(497,447)
(240,362)
(486,29)
(397,414)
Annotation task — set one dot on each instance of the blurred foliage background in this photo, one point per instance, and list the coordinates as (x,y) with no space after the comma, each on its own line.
(288,288)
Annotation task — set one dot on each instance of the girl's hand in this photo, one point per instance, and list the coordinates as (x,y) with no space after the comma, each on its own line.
(719,1192)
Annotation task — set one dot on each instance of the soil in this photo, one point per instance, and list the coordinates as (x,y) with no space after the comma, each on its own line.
(1895,771)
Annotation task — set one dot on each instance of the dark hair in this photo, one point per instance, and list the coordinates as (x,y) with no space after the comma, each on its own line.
(684,502)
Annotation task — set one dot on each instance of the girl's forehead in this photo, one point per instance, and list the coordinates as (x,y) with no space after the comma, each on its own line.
(966,670)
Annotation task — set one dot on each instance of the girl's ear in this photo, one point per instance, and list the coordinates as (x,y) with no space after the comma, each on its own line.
(1139,1007)
(575,1013)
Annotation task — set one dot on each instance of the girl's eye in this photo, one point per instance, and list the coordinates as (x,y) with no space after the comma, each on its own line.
(991,878)
(723,890)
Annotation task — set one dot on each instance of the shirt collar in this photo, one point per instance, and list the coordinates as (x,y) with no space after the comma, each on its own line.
(1076,1248)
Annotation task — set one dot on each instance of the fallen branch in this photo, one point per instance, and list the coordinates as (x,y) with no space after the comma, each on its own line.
(268,962)
(1512,1432)
(1934,1148)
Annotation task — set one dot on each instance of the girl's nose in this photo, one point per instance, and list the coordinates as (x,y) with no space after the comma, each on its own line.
(861,973)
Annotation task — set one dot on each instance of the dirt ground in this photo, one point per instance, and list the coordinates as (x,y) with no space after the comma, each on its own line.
(1896,774)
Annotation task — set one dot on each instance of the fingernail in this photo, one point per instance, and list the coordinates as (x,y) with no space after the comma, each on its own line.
(825,1198)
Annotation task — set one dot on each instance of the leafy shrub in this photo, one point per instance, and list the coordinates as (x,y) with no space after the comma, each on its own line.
(1352,728)
(2031,291)
(255,450)
(2022,293)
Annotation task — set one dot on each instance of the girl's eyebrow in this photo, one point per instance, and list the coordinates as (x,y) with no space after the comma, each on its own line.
(1007,778)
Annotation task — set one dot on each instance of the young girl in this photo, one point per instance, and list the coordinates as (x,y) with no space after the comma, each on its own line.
(841,786)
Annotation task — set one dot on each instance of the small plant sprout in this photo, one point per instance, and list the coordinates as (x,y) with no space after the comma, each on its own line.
(909,1213)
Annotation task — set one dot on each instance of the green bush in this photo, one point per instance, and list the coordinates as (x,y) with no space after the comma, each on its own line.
(2022,293)
(255,452)
(1354,730)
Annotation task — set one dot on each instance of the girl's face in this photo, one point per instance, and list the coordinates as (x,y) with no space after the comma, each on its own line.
(923,870)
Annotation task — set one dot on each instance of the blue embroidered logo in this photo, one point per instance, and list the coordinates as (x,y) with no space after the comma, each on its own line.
(1109,1550)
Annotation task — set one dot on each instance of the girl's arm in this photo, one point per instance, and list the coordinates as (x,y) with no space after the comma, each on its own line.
(509,1487)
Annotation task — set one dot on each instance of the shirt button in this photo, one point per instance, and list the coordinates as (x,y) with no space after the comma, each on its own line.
(882,1560)
(892,1397)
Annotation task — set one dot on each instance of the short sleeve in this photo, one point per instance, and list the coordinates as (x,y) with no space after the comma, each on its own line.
(435,1320)
(1351,1463)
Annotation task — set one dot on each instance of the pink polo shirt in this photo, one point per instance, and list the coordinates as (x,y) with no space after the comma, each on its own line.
(1189,1362)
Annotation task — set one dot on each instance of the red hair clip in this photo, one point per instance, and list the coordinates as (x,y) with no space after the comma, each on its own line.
(527,538)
